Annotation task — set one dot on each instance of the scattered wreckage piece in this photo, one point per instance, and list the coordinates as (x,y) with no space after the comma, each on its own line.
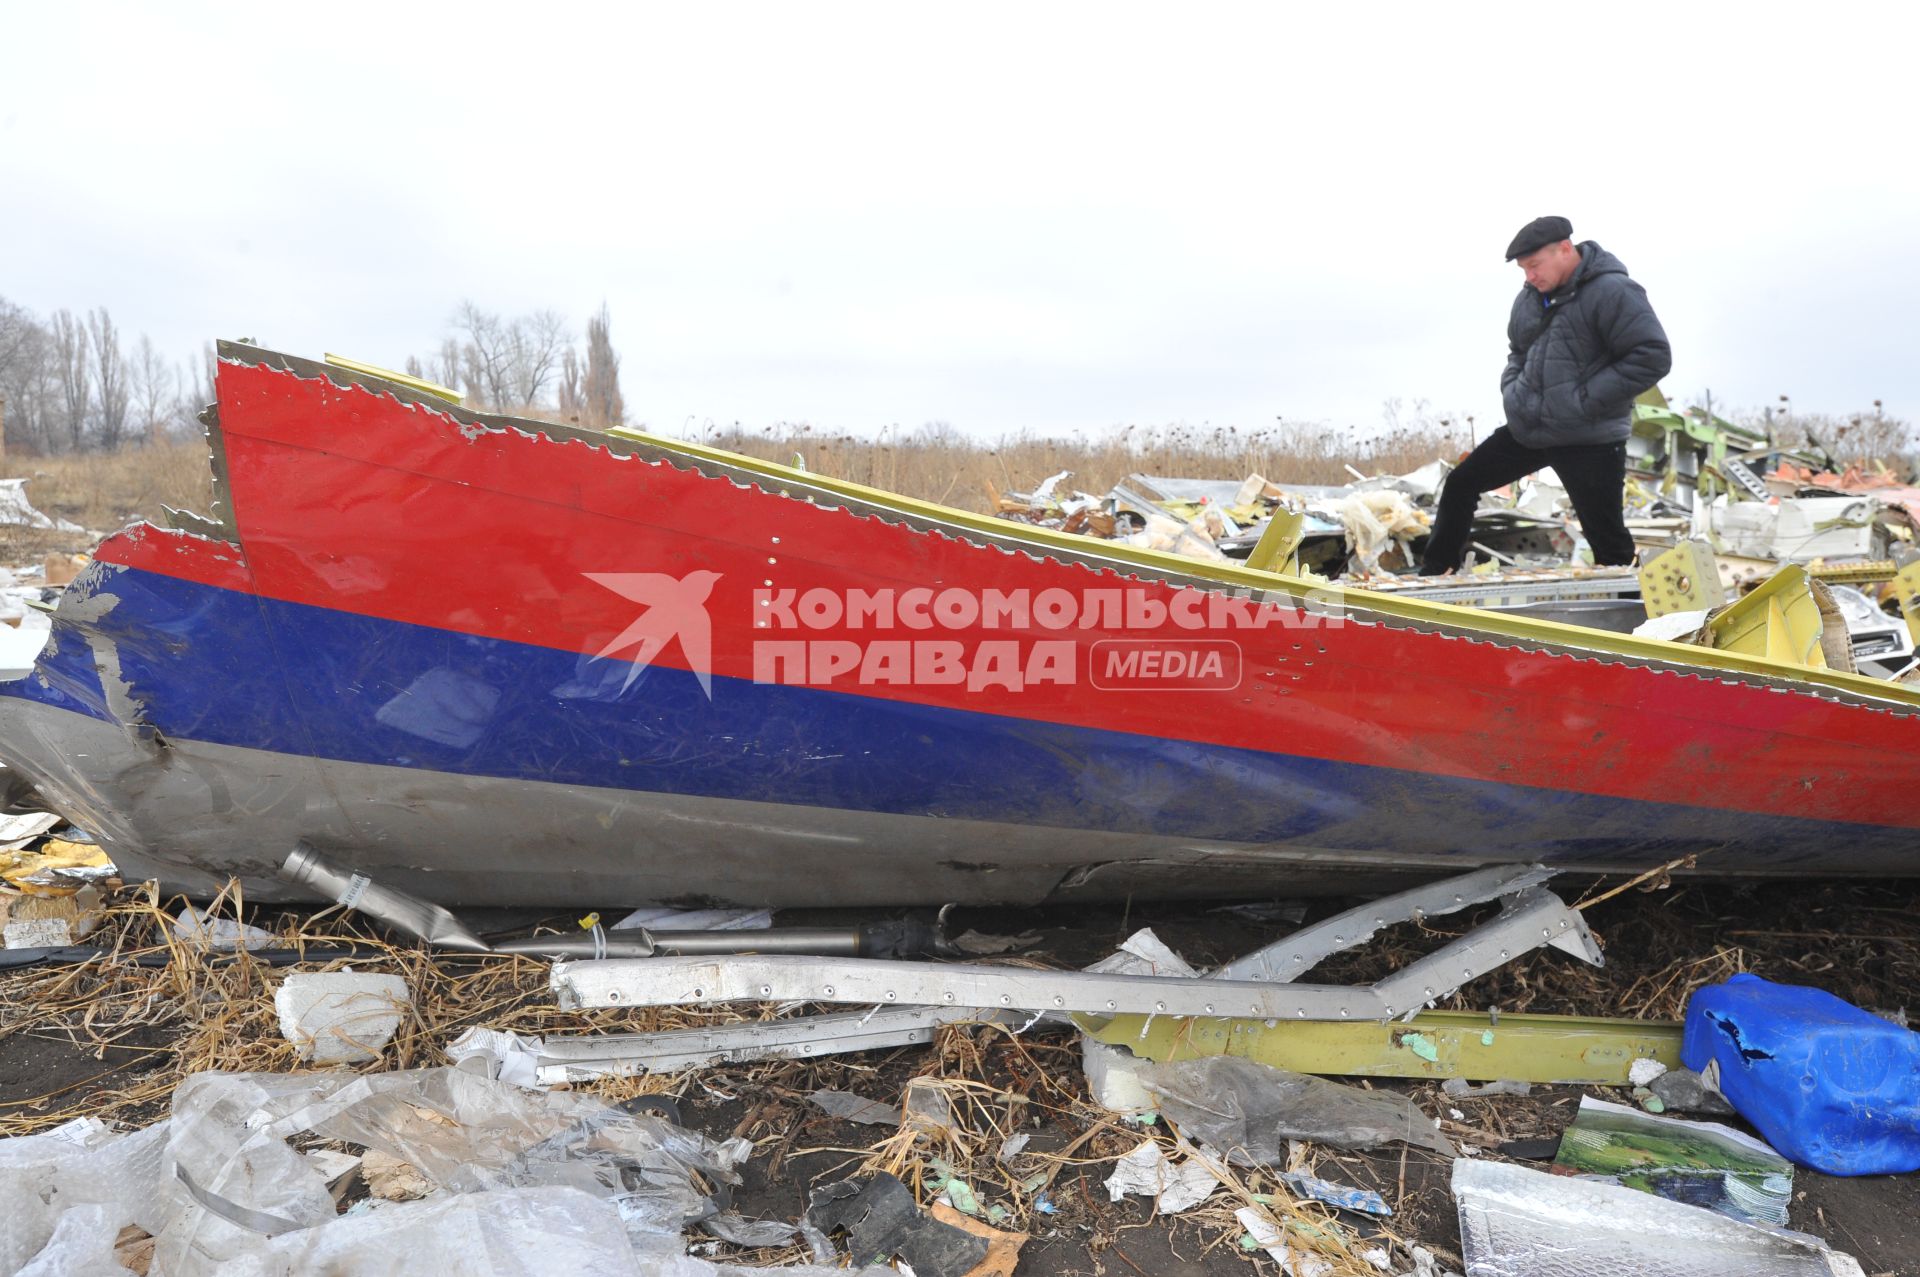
(1294,955)
(436,926)
(1906,587)
(1530,919)
(421,919)
(1882,645)
(1683,579)
(1592,598)
(1790,618)
(911,999)
(1517,1222)
(1480,1046)
(579,1059)
(882,1220)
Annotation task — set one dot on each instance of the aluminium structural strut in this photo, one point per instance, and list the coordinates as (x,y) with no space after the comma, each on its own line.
(1254,987)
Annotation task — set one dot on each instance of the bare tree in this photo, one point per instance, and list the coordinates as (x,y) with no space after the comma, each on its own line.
(72,376)
(26,383)
(187,401)
(109,377)
(485,359)
(602,390)
(572,400)
(447,371)
(534,344)
(152,384)
(17,332)
(200,381)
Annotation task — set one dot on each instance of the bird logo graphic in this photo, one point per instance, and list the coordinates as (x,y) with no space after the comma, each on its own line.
(676,608)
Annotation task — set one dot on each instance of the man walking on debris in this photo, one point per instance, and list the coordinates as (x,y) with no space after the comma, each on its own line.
(1583,342)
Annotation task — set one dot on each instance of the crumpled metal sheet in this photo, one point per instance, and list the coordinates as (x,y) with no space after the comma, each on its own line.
(1516,1222)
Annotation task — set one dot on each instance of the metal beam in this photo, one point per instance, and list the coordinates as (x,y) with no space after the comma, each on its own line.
(1290,958)
(1478,1046)
(578,1059)
(1532,919)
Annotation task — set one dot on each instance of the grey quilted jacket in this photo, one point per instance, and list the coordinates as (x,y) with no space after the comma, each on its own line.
(1578,356)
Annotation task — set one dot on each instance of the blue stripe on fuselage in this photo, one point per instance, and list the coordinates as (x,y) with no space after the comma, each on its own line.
(204,663)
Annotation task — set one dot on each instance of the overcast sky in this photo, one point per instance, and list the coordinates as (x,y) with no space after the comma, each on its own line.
(1003,216)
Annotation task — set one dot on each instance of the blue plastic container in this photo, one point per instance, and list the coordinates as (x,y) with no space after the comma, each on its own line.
(1832,1087)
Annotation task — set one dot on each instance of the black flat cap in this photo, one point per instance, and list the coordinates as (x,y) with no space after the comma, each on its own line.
(1537,234)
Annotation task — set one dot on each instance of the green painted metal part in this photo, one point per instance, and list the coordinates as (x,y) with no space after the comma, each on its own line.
(1478,1046)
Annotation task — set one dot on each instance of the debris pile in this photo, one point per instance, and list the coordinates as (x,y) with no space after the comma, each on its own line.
(452,1119)
(52,879)
(1693,479)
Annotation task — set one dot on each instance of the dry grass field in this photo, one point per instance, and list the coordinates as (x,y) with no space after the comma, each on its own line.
(945,466)
(103,491)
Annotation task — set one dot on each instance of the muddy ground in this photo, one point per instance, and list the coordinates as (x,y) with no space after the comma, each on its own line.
(1858,941)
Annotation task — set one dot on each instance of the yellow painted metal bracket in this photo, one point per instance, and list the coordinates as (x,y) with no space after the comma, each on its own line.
(1779,620)
(1683,579)
(1478,1046)
(1279,546)
(1906,588)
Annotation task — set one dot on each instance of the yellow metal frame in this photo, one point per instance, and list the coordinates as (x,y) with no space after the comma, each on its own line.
(1478,1046)
(1778,620)
(1333,597)
(1871,573)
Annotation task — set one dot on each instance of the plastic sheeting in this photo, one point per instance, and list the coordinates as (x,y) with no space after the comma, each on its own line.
(79,1167)
(1516,1222)
(81,1246)
(518,1232)
(1247,1110)
(523,1232)
(222,1191)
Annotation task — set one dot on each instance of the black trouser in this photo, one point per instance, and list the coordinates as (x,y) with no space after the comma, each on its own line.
(1594,476)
